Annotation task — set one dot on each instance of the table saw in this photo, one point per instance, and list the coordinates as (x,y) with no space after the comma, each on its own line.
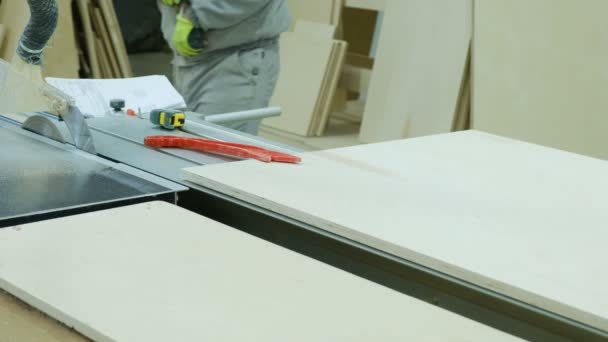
(124,171)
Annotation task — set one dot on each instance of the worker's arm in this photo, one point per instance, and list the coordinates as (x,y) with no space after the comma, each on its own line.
(221,14)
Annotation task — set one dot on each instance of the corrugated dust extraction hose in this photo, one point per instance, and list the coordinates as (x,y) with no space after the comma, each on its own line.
(40,28)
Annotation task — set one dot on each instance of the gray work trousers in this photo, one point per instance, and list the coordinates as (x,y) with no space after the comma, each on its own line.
(230,81)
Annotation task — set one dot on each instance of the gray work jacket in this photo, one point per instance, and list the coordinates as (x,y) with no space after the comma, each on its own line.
(229,23)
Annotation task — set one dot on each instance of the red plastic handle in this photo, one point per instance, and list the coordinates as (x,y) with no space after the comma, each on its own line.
(218,147)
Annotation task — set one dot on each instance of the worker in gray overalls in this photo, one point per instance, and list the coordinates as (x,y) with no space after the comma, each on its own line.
(226,53)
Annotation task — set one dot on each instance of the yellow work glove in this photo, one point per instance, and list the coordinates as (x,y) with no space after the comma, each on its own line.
(181,36)
(171,2)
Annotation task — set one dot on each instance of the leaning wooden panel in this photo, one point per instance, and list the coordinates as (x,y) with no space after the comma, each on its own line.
(104,35)
(156,272)
(419,69)
(109,15)
(329,93)
(89,37)
(521,220)
(541,72)
(304,61)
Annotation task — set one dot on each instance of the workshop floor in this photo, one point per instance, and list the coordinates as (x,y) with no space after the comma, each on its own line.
(339,133)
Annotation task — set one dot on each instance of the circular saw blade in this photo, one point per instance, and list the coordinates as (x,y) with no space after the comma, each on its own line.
(45,127)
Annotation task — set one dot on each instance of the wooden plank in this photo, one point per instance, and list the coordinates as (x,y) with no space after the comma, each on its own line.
(323,92)
(102,30)
(1,35)
(104,60)
(540,73)
(462,120)
(419,68)
(21,322)
(477,207)
(332,79)
(197,280)
(305,59)
(89,35)
(336,17)
(329,84)
(109,15)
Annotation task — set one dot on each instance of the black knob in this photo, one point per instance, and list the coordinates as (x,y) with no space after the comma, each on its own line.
(117,104)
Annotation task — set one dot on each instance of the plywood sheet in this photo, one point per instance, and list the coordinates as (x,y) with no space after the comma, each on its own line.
(540,72)
(1,35)
(418,70)
(328,91)
(502,214)
(104,60)
(155,272)
(304,60)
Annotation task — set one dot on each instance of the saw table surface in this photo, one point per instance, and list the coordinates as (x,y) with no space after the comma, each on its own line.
(525,222)
(155,272)
(39,176)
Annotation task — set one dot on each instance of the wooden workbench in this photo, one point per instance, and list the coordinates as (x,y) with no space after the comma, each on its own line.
(20,322)
(155,272)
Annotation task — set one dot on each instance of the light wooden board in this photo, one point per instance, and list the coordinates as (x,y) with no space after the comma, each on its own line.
(1,35)
(331,84)
(102,31)
(155,272)
(304,60)
(89,35)
(462,119)
(104,59)
(324,91)
(109,15)
(419,68)
(522,220)
(540,72)
(21,323)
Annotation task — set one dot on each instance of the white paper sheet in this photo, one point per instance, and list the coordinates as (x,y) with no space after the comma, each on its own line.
(93,96)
